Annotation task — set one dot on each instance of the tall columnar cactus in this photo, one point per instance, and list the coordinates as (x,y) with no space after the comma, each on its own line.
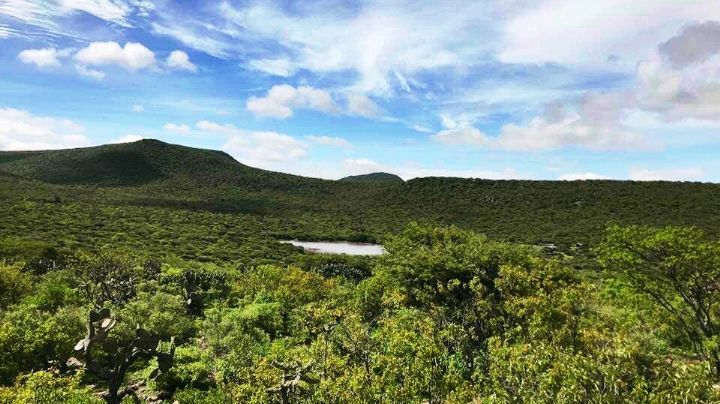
(144,345)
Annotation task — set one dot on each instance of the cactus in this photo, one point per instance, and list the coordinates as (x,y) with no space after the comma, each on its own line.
(293,377)
(195,285)
(144,345)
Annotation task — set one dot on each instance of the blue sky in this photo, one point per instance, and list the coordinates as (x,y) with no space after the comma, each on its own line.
(537,89)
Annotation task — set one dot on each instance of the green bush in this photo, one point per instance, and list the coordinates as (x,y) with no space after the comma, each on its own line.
(14,284)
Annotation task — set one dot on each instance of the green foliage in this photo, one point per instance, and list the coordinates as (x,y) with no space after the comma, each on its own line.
(160,313)
(448,315)
(53,291)
(203,205)
(373,177)
(31,339)
(14,284)
(679,269)
(47,387)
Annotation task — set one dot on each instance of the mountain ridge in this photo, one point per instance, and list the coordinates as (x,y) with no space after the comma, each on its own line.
(154,174)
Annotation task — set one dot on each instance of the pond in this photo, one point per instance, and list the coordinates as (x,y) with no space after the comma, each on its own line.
(338,247)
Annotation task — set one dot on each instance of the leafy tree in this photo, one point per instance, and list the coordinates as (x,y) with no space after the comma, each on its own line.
(113,369)
(679,268)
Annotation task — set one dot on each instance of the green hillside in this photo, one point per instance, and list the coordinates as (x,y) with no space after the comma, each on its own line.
(150,178)
(373,177)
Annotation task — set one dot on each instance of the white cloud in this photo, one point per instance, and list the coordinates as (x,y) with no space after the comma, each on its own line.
(380,41)
(177,128)
(43,58)
(263,149)
(695,44)
(582,176)
(21,130)
(48,16)
(128,139)
(280,101)
(138,108)
(43,15)
(595,124)
(359,104)
(109,10)
(88,72)
(692,91)
(277,67)
(361,166)
(575,130)
(6,31)
(671,174)
(462,135)
(589,31)
(133,56)
(330,141)
(180,60)
(197,40)
(421,129)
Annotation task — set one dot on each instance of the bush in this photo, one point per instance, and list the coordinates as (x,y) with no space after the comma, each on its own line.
(14,284)
(47,387)
(33,340)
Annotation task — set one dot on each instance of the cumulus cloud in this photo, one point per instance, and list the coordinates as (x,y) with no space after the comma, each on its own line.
(678,79)
(133,56)
(21,130)
(330,141)
(672,174)
(570,32)
(692,91)
(596,123)
(45,58)
(179,60)
(462,135)
(177,128)
(138,108)
(264,149)
(280,101)
(696,43)
(362,105)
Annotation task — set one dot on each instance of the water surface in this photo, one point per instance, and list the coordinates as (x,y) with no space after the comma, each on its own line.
(338,247)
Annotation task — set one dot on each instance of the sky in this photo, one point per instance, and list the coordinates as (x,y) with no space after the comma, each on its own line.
(527,89)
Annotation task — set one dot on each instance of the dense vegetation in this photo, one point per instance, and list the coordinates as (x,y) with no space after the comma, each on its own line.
(95,195)
(373,177)
(152,272)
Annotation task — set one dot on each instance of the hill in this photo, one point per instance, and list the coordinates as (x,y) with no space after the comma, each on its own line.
(373,177)
(132,164)
(164,192)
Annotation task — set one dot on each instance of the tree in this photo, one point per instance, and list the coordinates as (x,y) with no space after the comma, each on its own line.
(144,345)
(679,269)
